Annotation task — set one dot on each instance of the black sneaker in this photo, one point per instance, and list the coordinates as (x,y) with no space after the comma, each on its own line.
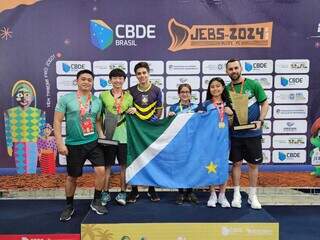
(133,196)
(153,196)
(67,213)
(97,206)
(191,197)
(180,199)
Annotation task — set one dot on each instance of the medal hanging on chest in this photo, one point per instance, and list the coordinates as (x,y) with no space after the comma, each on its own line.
(220,108)
(85,114)
(118,102)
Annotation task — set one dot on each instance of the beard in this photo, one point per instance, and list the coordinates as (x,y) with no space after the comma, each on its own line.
(235,76)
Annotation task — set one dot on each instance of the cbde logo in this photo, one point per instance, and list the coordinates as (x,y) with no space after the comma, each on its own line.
(126,35)
(257,66)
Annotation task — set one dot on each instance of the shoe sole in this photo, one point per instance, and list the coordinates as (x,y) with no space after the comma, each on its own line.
(235,205)
(122,203)
(95,210)
(249,202)
(133,201)
(211,206)
(152,199)
(67,219)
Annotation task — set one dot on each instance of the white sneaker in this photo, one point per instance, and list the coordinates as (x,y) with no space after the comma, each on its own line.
(223,201)
(236,201)
(254,202)
(212,202)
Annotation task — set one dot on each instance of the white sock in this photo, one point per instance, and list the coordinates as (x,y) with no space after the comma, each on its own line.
(252,191)
(222,195)
(236,190)
(213,194)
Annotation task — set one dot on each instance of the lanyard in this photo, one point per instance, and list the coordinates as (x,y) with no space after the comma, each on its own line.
(83,108)
(181,108)
(118,102)
(220,108)
(241,89)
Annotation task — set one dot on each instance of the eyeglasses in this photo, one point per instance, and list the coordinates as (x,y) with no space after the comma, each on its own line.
(184,92)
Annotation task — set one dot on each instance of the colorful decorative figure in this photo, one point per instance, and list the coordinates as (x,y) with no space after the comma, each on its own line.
(315,153)
(22,126)
(47,149)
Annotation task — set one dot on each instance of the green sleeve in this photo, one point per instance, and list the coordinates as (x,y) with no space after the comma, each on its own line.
(259,92)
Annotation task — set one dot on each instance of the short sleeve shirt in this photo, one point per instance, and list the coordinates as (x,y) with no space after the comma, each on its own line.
(69,105)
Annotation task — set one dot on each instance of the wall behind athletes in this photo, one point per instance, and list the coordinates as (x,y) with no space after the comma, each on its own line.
(48,42)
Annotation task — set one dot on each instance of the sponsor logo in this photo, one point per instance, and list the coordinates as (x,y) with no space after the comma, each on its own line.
(219,36)
(289,141)
(290,126)
(266,128)
(71,67)
(214,67)
(124,35)
(291,96)
(289,111)
(292,66)
(287,156)
(183,67)
(291,81)
(67,83)
(104,67)
(173,82)
(257,66)
(265,80)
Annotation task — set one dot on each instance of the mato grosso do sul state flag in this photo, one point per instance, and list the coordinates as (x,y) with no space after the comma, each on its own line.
(189,150)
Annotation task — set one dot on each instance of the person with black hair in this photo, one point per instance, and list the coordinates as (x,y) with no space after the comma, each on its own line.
(217,99)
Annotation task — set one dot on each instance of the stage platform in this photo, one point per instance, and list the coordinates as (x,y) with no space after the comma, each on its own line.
(167,220)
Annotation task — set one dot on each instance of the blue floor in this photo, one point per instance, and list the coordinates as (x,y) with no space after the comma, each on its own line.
(42,216)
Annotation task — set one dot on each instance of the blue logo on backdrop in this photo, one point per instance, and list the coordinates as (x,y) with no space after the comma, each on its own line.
(282,156)
(284,81)
(103,82)
(248,66)
(65,67)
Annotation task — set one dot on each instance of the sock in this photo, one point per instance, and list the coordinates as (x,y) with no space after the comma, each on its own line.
(221,195)
(213,194)
(70,200)
(134,189)
(252,191)
(236,190)
(97,194)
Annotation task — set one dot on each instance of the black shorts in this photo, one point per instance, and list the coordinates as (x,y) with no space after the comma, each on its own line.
(249,149)
(113,151)
(78,154)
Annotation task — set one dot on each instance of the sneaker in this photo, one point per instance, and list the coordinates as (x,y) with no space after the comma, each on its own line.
(191,197)
(67,213)
(153,196)
(97,206)
(223,201)
(254,202)
(212,202)
(121,198)
(105,198)
(133,196)
(180,199)
(236,201)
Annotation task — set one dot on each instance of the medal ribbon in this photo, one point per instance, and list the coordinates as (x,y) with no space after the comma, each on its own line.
(83,108)
(118,102)
(220,108)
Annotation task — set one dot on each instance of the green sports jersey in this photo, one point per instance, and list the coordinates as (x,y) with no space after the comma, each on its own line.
(69,105)
(256,95)
(108,103)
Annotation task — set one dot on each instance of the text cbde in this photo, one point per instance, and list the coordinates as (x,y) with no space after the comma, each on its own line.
(135,31)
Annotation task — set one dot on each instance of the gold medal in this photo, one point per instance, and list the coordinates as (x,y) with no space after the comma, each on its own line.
(221,125)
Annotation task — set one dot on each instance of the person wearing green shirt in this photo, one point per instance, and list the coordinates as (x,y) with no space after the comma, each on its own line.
(246,144)
(116,103)
(81,111)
